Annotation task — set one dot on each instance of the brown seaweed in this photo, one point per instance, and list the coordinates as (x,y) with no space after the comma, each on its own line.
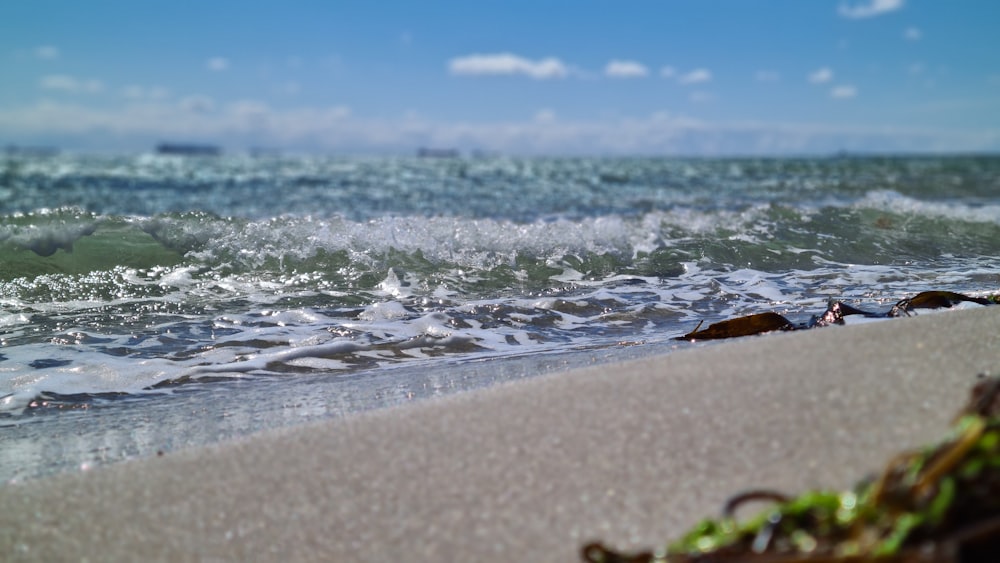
(761,323)
(934,300)
(940,504)
(742,326)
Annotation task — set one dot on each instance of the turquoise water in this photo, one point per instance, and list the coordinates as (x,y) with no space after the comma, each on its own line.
(128,276)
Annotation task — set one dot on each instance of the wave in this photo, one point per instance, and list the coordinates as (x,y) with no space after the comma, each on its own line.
(883,227)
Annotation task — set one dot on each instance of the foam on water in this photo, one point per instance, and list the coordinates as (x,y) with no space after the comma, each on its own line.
(979,210)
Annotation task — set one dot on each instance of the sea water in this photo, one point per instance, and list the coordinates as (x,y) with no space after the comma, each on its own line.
(149,302)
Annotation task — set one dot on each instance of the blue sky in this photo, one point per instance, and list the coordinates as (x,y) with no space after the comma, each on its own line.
(699,77)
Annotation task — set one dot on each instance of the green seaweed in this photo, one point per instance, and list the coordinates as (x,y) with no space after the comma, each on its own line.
(940,503)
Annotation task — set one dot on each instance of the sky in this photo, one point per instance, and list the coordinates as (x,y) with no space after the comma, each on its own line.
(532,77)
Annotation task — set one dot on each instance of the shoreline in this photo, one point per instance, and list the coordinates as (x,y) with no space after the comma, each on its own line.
(630,453)
(128,428)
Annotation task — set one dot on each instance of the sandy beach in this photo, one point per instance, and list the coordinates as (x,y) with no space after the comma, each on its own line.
(629,454)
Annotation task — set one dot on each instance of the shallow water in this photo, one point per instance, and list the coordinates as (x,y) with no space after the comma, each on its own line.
(130,276)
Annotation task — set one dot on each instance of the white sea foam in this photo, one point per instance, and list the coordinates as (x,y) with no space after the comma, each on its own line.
(81,372)
(975,211)
(49,233)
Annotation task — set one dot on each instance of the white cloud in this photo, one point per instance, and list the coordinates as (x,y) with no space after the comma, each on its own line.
(844,92)
(70,84)
(625,69)
(47,52)
(767,76)
(217,64)
(870,9)
(668,72)
(696,76)
(913,34)
(821,75)
(508,63)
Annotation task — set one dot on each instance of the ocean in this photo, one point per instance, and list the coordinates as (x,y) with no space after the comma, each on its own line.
(153,302)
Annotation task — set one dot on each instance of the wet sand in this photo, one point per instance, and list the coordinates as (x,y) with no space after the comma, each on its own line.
(628,453)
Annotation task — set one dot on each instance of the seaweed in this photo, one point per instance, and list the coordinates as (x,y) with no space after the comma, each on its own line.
(742,326)
(761,323)
(935,300)
(940,503)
